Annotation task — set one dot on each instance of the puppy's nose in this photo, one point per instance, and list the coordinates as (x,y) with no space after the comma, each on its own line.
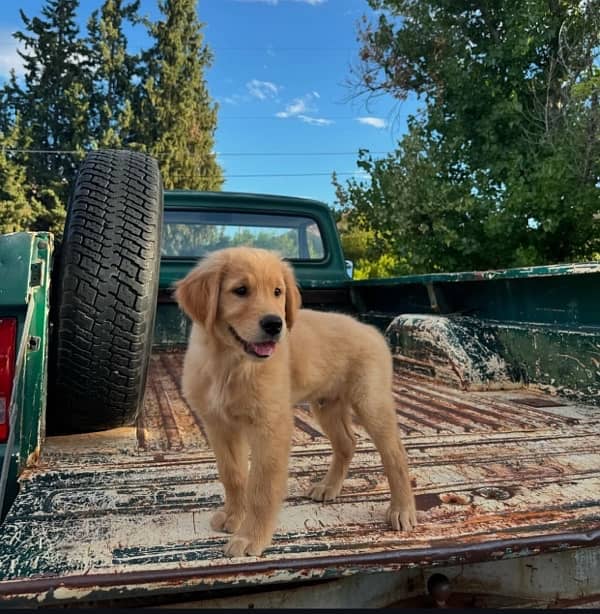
(271,325)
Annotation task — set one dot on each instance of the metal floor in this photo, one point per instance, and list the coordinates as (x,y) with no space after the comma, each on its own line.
(496,474)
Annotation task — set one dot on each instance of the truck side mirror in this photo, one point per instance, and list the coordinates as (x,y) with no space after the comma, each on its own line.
(349,268)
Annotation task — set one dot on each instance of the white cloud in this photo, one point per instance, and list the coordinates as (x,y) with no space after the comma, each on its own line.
(376,122)
(304,104)
(9,58)
(235,99)
(315,121)
(262,89)
(300,107)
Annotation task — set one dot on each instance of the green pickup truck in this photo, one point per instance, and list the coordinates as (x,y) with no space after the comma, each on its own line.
(108,482)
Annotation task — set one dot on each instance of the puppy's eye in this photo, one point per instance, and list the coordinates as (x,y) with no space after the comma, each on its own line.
(241,291)
(277,291)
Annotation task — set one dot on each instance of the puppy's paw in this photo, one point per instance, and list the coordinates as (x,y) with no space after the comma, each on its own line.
(402,518)
(323,491)
(243,546)
(226,522)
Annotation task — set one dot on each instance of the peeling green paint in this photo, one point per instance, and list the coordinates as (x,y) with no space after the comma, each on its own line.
(25,268)
(553,270)
(473,354)
(565,361)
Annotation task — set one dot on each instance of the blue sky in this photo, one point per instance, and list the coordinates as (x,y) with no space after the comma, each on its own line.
(279,77)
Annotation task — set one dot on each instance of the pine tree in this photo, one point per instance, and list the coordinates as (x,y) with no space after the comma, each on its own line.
(8,102)
(176,118)
(114,68)
(17,210)
(54,101)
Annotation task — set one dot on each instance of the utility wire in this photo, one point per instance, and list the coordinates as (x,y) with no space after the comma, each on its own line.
(61,152)
(298,174)
(296,153)
(217,48)
(226,176)
(317,174)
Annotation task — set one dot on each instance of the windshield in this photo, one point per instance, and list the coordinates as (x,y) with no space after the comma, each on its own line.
(193,234)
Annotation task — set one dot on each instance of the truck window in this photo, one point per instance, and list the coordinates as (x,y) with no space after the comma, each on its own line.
(193,234)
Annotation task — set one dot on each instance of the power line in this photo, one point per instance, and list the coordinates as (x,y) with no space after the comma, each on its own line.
(296,153)
(217,48)
(64,152)
(297,116)
(328,174)
(226,176)
(316,174)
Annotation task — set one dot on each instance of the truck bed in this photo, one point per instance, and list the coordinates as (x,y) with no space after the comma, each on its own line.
(496,474)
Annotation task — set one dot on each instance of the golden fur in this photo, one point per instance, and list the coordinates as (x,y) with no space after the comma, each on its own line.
(332,361)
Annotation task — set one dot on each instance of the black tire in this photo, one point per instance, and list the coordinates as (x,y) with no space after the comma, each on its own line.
(106,293)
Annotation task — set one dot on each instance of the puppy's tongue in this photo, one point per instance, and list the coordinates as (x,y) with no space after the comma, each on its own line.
(263,349)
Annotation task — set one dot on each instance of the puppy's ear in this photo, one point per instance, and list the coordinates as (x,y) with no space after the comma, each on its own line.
(198,292)
(293,300)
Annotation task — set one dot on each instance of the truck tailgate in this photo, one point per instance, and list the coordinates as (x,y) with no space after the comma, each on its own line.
(125,512)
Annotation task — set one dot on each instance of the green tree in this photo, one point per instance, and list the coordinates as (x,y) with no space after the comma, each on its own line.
(53,101)
(370,253)
(190,240)
(176,119)
(112,97)
(17,210)
(502,166)
(8,102)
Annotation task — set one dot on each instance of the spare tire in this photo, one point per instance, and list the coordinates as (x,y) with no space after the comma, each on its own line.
(105,295)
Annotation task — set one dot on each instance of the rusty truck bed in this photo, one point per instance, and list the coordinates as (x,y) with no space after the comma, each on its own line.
(496,474)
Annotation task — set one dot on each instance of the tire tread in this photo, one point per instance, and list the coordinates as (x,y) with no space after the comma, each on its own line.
(107,289)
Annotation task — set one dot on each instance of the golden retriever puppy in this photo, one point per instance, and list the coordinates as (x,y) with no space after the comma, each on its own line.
(252,354)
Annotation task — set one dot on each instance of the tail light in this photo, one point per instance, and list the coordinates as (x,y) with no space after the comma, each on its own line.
(8,344)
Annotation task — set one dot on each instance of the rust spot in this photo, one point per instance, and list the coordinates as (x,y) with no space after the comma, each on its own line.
(307,428)
(464,415)
(493,412)
(491,492)
(173,365)
(537,402)
(452,498)
(420,420)
(166,413)
(140,431)
(426,501)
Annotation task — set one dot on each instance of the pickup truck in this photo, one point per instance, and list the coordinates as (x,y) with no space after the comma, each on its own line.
(108,482)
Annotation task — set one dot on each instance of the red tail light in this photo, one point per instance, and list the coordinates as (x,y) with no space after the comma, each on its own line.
(8,348)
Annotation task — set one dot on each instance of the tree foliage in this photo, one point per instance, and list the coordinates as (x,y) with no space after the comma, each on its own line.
(113,92)
(369,252)
(17,210)
(52,101)
(82,91)
(502,165)
(176,120)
